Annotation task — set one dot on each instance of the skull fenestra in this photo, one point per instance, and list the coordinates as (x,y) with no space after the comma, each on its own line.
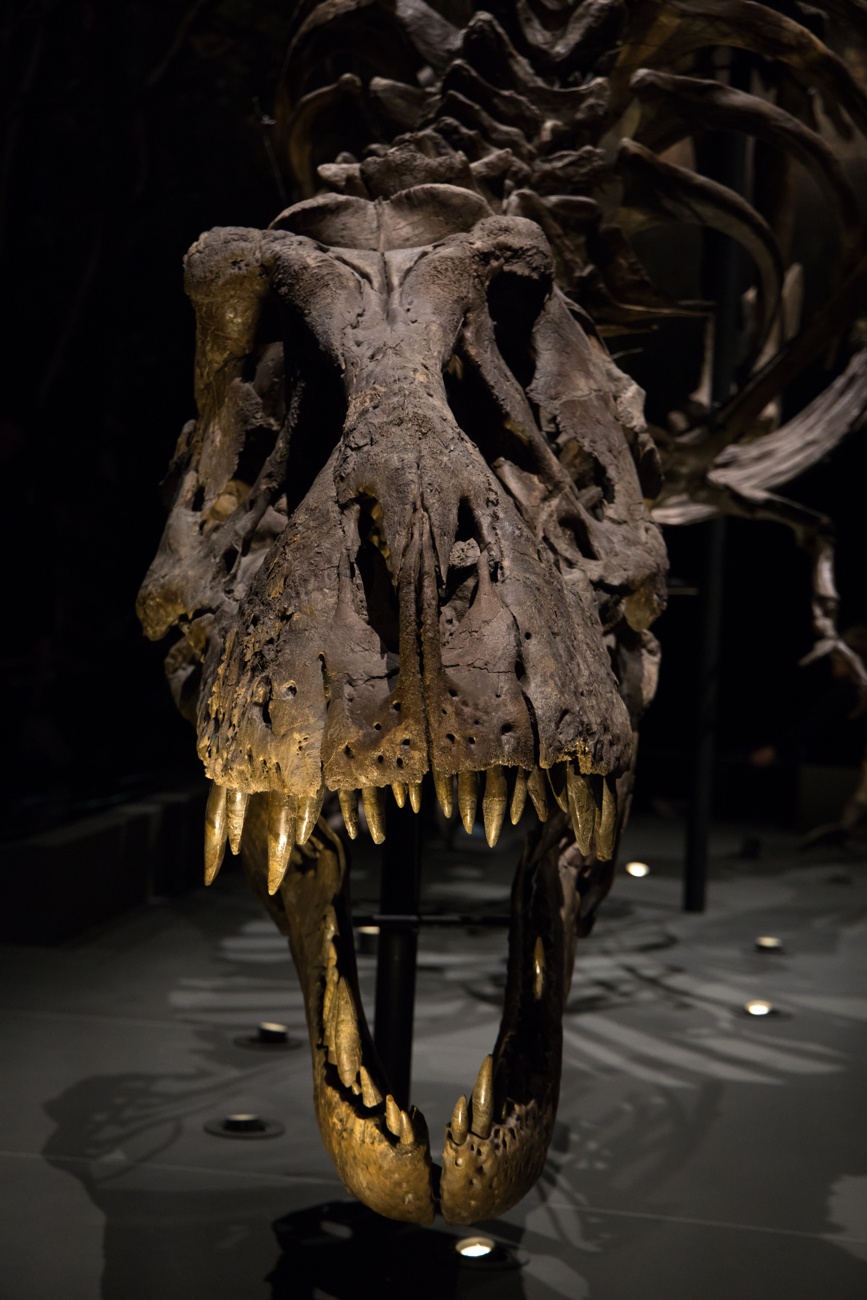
(410,543)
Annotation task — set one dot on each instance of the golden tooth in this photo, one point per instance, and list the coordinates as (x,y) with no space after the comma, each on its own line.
(374,812)
(309,808)
(468,794)
(460,1125)
(494,804)
(519,797)
(444,792)
(407,1136)
(415,796)
(557,782)
(483,1099)
(538,968)
(536,791)
(236,808)
(215,831)
(392,1116)
(398,789)
(370,1094)
(349,807)
(347,1044)
(606,821)
(582,807)
(281,836)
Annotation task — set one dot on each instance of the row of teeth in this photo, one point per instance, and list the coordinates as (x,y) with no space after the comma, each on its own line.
(342,1042)
(590,801)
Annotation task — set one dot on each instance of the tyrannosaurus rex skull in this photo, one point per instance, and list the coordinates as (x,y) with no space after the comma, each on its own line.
(410,536)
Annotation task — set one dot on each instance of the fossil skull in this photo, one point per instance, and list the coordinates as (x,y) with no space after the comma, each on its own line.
(409,538)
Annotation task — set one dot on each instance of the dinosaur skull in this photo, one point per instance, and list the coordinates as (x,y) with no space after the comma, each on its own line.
(409,536)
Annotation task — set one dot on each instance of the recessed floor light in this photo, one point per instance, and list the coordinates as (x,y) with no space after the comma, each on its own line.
(768,943)
(474,1247)
(759,1007)
(637,869)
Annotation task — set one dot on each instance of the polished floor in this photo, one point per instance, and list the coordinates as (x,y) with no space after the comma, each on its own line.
(699,1154)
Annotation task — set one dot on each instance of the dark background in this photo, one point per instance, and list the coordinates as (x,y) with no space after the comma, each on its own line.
(129,128)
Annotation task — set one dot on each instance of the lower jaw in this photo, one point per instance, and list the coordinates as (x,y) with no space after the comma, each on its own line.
(496,1143)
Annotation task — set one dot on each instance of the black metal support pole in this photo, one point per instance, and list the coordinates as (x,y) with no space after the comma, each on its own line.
(724,159)
(397,949)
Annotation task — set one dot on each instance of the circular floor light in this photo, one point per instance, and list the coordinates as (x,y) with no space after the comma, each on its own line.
(475,1247)
(768,943)
(759,1007)
(637,869)
(244,1124)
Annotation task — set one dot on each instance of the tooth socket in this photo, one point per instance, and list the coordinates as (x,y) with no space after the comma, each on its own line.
(494,804)
(349,808)
(519,797)
(468,794)
(281,837)
(415,796)
(374,812)
(582,807)
(538,795)
(398,789)
(460,1125)
(606,824)
(444,790)
(307,816)
(236,808)
(483,1099)
(215,831)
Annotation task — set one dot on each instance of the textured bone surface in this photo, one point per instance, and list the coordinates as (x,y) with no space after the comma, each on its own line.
(411,551)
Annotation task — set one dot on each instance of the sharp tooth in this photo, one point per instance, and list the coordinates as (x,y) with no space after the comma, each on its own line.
(538,968)
(374,812)
(483,1099)
(392,1115)
(407,1136)
(370,1094)
(347,1045)
(536,791)
(460,1125)
(309,809)
(467,797)
(582,808)
(494,804)
(415,795)
(349,808)
(281,837)
(444,792)
(236,807)
(557,782)
(398,789)
(519,797)
(606,821)
(215,831)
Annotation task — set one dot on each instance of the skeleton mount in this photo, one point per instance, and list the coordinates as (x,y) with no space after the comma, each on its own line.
(415,531)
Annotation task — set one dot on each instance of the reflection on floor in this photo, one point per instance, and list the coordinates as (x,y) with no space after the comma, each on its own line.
(699,1153)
